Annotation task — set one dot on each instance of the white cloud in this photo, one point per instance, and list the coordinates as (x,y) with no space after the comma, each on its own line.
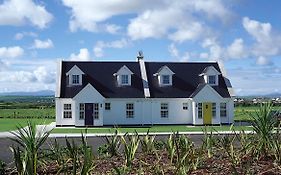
(40,44)
(237,49)
(267,41)
(173,50)
(20,12)
(117,44)
(44,76)
(83,55)
(177,20)
(11,52)
(20,35)
(262,61)
(112,28)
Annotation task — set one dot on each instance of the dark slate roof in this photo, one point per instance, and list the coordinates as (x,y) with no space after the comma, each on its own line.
(100,76)
(186,80)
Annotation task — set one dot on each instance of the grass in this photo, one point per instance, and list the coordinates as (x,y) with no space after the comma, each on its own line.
(163,128)
(7,124)
(244,113)
(32,113)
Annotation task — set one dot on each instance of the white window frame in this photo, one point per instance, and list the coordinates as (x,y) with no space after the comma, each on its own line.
(215,79)
(96,111)
(214,110)
(130,110)
(67,112)
(199,110)
(223,109)
(124,79)
(75,79)
(164,81)
(164,110)
(81,111)
(107,106)
(184,106)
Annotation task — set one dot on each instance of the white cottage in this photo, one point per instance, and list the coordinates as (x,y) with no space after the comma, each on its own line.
(142,93)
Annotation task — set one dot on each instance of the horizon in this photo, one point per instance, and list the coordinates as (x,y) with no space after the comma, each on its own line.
(246,42)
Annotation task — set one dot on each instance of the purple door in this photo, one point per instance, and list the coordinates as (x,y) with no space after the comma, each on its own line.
(89,119)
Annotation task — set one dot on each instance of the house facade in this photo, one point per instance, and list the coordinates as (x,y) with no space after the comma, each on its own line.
(142,93)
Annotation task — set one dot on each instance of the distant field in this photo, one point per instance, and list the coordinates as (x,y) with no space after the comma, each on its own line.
(30,113)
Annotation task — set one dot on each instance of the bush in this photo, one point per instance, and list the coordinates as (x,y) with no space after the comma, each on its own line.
(2,167)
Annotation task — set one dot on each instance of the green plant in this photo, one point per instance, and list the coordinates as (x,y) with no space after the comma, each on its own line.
(103,150)
(30,140)
(276,146)
(113,143)
(208,142)
(263,122)
(159,144)
(147,143)
(87,163)
(72,153)
(130,147)
(2,167)
(124,170)
(170,147)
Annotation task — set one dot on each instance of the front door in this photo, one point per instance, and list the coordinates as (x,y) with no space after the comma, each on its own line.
(207,113)
(89,119)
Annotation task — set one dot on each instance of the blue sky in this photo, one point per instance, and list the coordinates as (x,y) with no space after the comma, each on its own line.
(243,36)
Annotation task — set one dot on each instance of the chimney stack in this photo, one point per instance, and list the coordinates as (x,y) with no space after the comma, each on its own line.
(140,56)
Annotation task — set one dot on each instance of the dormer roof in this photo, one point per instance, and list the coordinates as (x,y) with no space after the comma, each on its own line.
(123,70)
(164,70)
(75,70)
(210,70)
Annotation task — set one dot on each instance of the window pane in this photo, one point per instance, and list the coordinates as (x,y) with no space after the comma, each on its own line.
(164,111)
(165,79)
(223,110)
(96,111)
(199,105)
(75,79)
(107,106)
(214,110)
(130,110)
(124,79)
(212,79)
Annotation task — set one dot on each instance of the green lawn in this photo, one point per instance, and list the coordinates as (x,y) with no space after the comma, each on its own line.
(164,128)
(244,113)
(7,124)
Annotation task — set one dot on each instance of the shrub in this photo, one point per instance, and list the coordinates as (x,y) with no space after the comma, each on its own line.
(2,167)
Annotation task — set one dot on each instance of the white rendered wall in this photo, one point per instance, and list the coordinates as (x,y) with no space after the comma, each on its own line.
(89,95)
(59,111)
(147,111)
(208,94)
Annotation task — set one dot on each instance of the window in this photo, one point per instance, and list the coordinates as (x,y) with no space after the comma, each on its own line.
(212,79)
(164,110)
(67,111)
(165,79)
(124,79)
(199,106)
(130,110)
(96,111)
(185,106)
(75,79)
(81,111)
(223,109)
(107,106)
(214,110)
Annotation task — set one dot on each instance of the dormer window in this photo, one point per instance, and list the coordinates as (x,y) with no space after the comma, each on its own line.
(74,76)
(165,76)
(165,79)
(211,75)
(75,79)
(123,76)
(124,79)
(212,79)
